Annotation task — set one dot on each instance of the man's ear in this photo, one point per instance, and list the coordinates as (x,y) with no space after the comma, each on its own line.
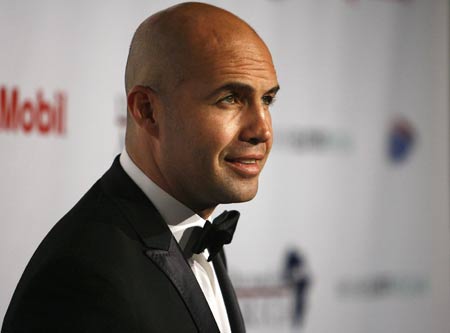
(143,106)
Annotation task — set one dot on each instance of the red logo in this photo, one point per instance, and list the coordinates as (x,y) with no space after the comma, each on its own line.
(27,115)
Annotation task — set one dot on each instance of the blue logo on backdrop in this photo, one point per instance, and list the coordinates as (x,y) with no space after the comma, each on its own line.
(295,275)
(276,299)
(401,140)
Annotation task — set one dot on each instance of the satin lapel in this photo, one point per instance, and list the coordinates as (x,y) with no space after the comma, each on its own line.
(161,247)
(229,296)
(136,207)
(173,264)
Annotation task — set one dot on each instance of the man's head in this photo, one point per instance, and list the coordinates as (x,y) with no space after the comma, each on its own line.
(199,82)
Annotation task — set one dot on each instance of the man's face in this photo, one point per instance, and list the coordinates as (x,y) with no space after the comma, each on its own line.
(216,129)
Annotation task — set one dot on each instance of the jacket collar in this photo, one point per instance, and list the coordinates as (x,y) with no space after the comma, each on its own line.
(136,207)
(161,248)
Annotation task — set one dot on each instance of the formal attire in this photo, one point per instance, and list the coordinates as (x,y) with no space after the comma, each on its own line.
(182,221)
(112,264)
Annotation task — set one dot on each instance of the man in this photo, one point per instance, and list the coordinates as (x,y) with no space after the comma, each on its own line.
(199,83)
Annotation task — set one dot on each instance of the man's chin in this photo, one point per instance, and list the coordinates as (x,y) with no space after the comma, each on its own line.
(241,194)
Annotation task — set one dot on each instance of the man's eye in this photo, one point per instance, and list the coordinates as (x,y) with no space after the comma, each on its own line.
(268,100)
(230,99)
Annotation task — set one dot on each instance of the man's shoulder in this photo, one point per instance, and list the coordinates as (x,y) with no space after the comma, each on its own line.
(98,212)
(92,224)
(93,227)
(77,265)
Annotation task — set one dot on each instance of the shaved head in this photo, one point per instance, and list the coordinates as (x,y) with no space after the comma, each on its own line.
(169,44)
(199,83)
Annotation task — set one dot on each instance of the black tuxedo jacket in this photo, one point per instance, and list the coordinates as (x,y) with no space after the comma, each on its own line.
(111,265)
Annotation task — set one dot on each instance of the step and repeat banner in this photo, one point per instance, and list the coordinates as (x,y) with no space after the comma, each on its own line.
(350,230)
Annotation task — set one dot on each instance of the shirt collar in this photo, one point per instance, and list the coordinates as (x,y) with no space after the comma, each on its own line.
(178,217)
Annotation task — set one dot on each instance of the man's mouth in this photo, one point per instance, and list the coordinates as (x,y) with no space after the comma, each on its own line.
(246,166)
(247,161)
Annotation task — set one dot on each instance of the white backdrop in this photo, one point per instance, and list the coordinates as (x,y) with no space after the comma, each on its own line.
(358,182)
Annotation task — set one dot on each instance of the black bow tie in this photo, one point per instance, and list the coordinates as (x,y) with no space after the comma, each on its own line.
(214,235)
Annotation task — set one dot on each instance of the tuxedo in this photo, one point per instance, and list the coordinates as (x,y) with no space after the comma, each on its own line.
(111,264)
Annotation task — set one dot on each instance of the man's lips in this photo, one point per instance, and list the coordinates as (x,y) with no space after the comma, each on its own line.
(246,165)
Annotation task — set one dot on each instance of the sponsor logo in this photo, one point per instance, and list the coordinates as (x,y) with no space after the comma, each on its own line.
(383,285)
(401,140)
(40,115)
(392,1)
(275,299)
(312,139)
(120,119)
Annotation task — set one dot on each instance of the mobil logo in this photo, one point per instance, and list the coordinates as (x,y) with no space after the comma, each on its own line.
(38,114)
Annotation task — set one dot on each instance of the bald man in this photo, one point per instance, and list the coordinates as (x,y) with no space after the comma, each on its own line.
(199,84)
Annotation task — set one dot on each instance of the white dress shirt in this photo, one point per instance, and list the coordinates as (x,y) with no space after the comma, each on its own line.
(180,220)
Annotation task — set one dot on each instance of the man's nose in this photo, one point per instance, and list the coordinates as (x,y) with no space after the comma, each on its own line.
(257,125)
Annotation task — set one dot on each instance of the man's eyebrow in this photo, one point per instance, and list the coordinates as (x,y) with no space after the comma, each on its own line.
(238,86)
(274,90)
